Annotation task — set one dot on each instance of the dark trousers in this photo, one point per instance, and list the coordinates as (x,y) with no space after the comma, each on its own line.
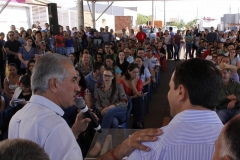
(138,109)
(176,53)
(169,51)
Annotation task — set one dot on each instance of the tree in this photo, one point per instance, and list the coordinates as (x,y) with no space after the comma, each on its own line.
(142,19)
(191,24)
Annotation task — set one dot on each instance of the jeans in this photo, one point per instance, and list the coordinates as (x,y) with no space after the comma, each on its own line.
(226,114)
(177,48)
(60,50)
(111,119)
(69,50)
(188,50)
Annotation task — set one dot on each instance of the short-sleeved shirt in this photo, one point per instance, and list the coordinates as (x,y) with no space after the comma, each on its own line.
(91,82)
(177,38)
(129,91)
(107,37)
(27,55)
(235,61)
(61,38)
(141,36)
(148,64)
(145,75)
(118,70)
(123,66)
(13,46)
(188,38)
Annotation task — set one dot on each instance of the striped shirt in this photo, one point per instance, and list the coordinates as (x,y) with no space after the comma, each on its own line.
(191,135)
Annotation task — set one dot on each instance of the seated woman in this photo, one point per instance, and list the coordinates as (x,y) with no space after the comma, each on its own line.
(109,62)
(133,86)
(11,82)
(111,105)
(122,63)
(22,93)
(144,73)
(84,91)
(30,67)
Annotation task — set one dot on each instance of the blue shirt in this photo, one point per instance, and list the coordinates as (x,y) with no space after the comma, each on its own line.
(27,56)
(191,135)
(130,59)
(145,75)
(91,82)
(40,121)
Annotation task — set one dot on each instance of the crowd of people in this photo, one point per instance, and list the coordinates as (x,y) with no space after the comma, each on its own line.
(50,71)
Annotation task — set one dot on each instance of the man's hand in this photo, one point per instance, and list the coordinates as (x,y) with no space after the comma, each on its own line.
(231,104)
(231,97)
(80,124)
(134,142)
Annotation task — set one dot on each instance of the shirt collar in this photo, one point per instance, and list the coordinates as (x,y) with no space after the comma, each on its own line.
(46,103)
(191,115)
(92,78)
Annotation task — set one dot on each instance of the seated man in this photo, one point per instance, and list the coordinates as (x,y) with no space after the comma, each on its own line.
(228,102)
(95,76)
(192,133)
(227,145)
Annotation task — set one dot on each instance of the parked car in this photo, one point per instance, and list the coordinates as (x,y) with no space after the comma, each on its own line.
(167,28)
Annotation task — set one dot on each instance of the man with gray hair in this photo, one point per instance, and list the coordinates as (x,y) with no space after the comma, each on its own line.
(21,149)
(54,87)
(227,145)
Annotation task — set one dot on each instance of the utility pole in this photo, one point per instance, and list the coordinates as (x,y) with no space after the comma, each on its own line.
(164,14)
(152,13)
(80,13)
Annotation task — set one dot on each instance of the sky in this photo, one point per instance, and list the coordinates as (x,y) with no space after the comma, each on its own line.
(180,9)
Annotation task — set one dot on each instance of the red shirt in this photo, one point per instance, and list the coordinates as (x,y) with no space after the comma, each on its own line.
(141,36)
(60,38)
(205,54)
(128,90)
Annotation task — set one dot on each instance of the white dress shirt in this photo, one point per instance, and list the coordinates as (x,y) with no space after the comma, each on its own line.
(191,135)
(40,121)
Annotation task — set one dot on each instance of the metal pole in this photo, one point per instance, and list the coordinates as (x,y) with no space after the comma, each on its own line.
(80,13)
(105,10)
(152,13)
(93,14)
(164,15)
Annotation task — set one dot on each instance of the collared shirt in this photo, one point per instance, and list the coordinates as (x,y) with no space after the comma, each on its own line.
(148,64)
(91,82)
(40,121)
(226,90)
(130,59)
(154,60)
(85,72)
(191,135)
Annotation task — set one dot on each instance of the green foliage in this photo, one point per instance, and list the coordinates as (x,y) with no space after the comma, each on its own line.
(142,19)
(182,24)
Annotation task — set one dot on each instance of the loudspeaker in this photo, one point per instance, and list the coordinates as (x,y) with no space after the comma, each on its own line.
(53,18)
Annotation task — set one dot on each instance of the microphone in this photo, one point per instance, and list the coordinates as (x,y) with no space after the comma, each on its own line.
(80,103)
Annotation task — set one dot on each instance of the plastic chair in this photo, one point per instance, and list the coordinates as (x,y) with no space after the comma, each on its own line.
(129,108)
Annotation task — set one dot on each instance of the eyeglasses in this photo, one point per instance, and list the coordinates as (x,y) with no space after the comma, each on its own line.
(107,76)
(147,50)
(135,72)
(10,35)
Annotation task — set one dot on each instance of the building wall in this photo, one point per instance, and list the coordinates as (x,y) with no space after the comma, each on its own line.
(123,22)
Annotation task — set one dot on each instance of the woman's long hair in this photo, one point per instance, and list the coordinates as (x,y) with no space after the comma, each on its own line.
(130,68)
(28,71)
(82,81)
(142,67)
(114,83)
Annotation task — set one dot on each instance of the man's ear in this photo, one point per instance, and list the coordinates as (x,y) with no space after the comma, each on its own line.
(53,85)
(182,93)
